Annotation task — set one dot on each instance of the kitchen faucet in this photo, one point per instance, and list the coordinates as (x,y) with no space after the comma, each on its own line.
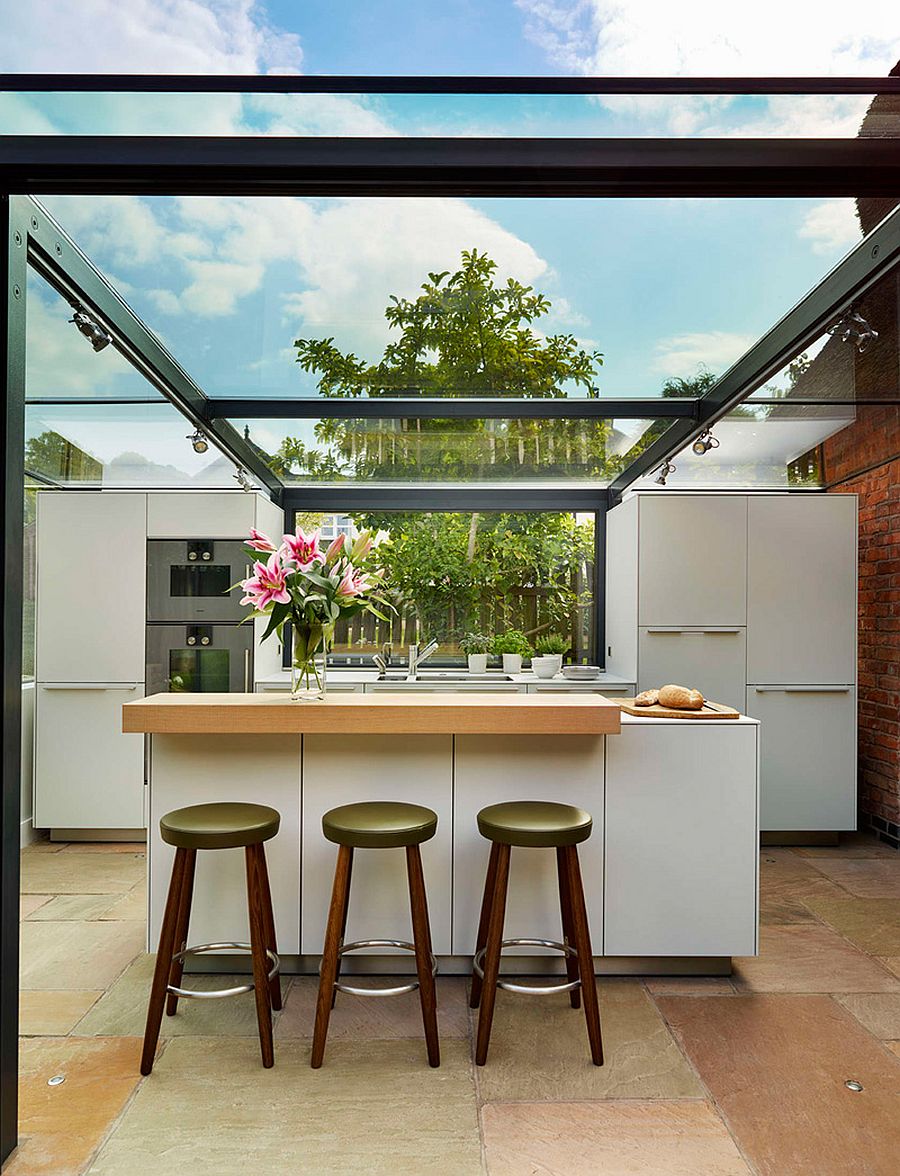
(383,659)
(417,656)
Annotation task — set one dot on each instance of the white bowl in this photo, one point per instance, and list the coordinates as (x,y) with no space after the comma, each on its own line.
(545,667)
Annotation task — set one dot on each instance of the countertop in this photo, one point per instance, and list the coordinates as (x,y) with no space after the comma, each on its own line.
(359,676)
(406,713)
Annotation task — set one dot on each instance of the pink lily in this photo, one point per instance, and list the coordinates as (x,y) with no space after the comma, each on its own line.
(362,546)
(353,583)
(260,542)
(268,585)
(334,548)
(302,549)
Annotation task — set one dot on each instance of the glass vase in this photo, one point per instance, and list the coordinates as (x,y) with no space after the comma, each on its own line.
(309,682)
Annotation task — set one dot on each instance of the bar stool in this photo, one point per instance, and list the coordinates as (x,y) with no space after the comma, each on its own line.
(543,825)
(377,825)
(216,826)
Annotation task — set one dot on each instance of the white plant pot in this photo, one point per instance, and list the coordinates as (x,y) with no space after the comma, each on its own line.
(545,667)
(556,658)
(478,663)
(512,663)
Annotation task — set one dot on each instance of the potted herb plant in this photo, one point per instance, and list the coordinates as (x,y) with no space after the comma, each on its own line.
(550,648)
(513,646)
(476,647)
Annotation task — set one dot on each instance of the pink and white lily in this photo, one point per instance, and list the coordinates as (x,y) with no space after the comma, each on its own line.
(260,542)
(302,549)
(335,547)
(268,586)
(354,582)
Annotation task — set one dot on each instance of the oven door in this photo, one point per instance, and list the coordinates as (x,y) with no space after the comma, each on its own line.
(199,659)
(193,580)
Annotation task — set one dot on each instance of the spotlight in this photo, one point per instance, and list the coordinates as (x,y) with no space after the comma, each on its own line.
(198,441)
(853,328)
(242,480)
(704,443)
(664,470)
(92,331)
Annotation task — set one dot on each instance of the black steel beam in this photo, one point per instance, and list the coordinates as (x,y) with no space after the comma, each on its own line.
(349,498)
(450,407)
(269,165)
(437,84)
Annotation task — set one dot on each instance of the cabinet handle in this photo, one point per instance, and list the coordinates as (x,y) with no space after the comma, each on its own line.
(802,689)
(87,686)
(694,632)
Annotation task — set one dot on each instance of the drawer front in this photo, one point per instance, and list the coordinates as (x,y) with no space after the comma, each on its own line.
(712,661)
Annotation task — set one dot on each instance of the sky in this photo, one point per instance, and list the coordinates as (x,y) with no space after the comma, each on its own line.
(659,286)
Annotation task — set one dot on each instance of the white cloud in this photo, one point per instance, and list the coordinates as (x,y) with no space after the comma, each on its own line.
(831,227)
(682,355)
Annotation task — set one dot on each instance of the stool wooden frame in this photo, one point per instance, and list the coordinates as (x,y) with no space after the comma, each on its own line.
(576,946)
(167,976)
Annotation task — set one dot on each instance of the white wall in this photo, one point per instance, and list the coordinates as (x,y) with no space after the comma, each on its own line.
(27,833)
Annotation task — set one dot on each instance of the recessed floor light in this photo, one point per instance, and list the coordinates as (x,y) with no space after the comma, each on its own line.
(852,1084)
(56,1080)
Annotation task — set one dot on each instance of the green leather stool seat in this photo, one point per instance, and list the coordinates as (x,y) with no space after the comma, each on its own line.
(379,824)
(538,823)
(227,825)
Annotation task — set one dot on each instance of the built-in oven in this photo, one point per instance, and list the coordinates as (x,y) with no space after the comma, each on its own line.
(199,659)
(194,580)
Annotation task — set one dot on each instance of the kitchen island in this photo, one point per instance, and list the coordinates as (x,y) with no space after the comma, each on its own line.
(670,871)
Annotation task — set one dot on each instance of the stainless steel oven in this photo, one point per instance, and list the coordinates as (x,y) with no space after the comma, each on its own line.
(193,580)
(199,658)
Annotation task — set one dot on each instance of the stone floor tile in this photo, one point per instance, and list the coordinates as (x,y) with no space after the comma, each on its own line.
(29,903)
(375,1107)
(852,845)
(132,905)
(77,955)
(122,1011)
(539,1050)
(81,873)
(623,1138)
(894,1047)
(44,1013)
(74,908)
(873,924)
(106,847)
(864,877)
(784,881)
(60,1127)
(809,958)
(689,985)
(879,1012)
(776,1067)
(361,1018)
(43,845)
(892,963)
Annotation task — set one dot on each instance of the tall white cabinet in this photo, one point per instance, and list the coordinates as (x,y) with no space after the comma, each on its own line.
(751,598)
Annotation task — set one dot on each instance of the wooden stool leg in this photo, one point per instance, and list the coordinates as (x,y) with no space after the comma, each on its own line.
(260,959)
(585,954)
(492,955)
(163,962)
(565,906)
(268,920)
(330,957)
(422,939)
(490,881)
(337,972)
(181,930)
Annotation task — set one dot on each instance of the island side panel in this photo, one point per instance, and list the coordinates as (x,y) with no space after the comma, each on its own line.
(347,769)
(494,768)
(682,839)
(203,769)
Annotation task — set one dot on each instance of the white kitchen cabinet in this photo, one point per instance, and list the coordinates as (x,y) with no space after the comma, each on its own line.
(91,587)
(491,769)
(333,687)
(203,514)
(621,691)
(802,583)
(444,688)
(692,560)
(710,660)
(217,768)
(681,845)
(807,756)
(347,769)
(87,773)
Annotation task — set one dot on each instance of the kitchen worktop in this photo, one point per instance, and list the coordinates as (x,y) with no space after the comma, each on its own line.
(359,676)
(452,713)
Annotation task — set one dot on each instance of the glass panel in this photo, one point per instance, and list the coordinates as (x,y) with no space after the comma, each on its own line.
(451,572)
(448,451)
(125,445)
(61,361)
(29,570)
(199,579)
(203,671)
(285,297)
(452,115)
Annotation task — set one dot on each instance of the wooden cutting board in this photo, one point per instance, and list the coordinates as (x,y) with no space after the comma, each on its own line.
(710,710)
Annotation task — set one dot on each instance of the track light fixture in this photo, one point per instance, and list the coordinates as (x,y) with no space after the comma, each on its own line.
(853,328)
(198,441)
(92,331)
(664,470)
(705,442)
(242,480)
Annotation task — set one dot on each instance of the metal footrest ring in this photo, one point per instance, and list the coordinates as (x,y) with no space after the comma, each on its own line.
(398,990)
(530,989)
(217,993)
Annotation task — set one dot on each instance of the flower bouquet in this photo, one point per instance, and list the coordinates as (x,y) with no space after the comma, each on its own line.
(312,589)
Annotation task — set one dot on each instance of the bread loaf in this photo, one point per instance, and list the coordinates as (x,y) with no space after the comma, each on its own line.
(647,698)
(680,697)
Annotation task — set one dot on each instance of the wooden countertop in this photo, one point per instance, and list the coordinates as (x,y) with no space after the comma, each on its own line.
(373,714)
